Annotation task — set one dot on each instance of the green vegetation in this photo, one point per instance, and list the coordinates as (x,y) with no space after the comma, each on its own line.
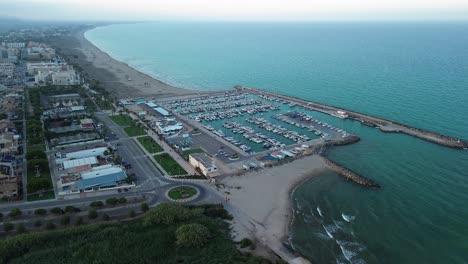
(186,153)
(40,212)
(105,217)
(50,225)
(56,211)
(182,192)
(15,213)
(245,243)
(96,204)
(192,235)
(41,196)
(92,214)
(122,120)
(7,226)
(71,209)
(138,241)
(122,200)
(144,207)
(65,220)
(169,164)
(112,201)
(150,145)
(131,213)
(38,223)
(133,131)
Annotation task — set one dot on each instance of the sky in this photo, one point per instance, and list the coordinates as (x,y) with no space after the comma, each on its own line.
(236,10)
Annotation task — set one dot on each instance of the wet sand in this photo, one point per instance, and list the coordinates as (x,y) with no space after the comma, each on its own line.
(261,200)
(118,78)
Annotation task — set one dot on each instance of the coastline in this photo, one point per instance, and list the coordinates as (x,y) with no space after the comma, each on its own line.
(270,217)
(117,77)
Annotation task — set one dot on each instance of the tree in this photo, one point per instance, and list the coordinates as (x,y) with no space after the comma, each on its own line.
(122,200)
(20,228)
(132,213)
(96,204)
(40,211)
(245,243)
(56,211)
(65,220)
(71,209)
(105,217)
(79,221)
(92,214)
(144,207)
(169,213)
(192,235)
(112,201)
(7,226)
(15,213)
(50,225)
(37,223)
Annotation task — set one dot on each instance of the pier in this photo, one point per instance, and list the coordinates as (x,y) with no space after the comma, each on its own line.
(383,125)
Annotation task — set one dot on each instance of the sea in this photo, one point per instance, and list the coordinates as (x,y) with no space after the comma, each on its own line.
(413,73)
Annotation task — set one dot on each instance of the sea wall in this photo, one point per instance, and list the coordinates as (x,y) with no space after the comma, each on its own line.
(349,174)
(384,125)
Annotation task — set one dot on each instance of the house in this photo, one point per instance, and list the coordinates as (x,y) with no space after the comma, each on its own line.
(203,162)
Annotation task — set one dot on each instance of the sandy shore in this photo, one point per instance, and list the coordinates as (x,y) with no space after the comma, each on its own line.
(117,77)
(261,200)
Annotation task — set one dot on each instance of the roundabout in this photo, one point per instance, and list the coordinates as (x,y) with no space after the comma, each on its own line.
(182,193)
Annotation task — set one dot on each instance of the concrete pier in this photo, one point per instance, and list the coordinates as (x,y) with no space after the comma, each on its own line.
(384,125)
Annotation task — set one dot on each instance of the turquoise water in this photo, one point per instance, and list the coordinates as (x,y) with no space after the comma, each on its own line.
(412,73)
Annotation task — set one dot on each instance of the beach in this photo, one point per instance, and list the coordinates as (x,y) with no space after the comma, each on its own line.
(117,77)
(261,200)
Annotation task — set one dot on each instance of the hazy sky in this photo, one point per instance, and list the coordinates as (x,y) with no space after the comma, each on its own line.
(290,10)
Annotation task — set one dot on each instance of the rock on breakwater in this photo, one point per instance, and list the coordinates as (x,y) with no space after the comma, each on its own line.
(349,174)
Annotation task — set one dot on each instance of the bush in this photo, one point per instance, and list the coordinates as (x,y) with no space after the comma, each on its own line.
(217,211)
(79,221)
(20,228)
(112,201)
(71,209)
(144,207)
(245,243)
(50,225)
(56,211)
(192,235)
(96,204)
(15,213)
(132,213)
(37,223)
(40,212)
(65,220)
(169,213)
(7,226)
(92,214)
(122,200)
(105,217)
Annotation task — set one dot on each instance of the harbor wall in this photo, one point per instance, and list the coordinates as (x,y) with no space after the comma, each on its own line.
(349,174)
(384,125)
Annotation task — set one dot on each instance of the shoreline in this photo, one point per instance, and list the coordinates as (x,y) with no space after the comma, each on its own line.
(119,78)
(270,218)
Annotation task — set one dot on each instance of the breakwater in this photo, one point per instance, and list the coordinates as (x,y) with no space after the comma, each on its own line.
(349,174)
(383,125)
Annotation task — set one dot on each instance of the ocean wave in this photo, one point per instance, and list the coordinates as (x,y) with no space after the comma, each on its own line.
(319,211)
(347,218)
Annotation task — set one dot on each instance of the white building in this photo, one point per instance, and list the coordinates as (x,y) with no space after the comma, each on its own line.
(33,68)
(81,154)
(69,77)
(205,163)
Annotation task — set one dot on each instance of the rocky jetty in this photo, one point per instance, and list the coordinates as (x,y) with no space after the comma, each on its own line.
(349,174)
